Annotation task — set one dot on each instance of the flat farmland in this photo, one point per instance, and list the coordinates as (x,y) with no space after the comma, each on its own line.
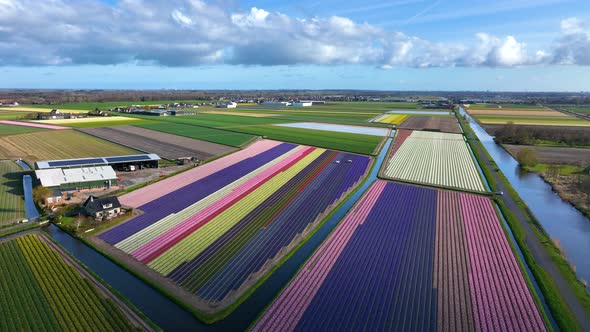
(409,258)
(554,155)
(45,109)
(438,159)
(518,112)
(213,135)
(502,106)
(8,129)
(12,205)
(233,113)
(534,120)
(356,143)
(94,121)
(58,144)
(394,119)
(217,229)
(166,145)
(31,125)
(43,289)
(431,123)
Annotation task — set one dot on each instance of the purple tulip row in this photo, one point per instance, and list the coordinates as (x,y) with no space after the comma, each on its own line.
(189,194)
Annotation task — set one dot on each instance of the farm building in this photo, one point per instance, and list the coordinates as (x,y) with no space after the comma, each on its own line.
(276,103)
(227,105)
(123,163)
(64,179)
(100,208)
(302,104)
(158,112)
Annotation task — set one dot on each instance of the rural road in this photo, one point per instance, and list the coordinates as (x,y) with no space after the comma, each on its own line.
(536,247)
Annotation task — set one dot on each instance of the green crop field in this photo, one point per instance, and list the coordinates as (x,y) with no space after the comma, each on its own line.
(107,105)
(90,122)
(534,120)
(12,205)
(41,292)
(6,130)
(577,109)
(8,115)
(213,135)
(58,144)
(357,143)
(486,106)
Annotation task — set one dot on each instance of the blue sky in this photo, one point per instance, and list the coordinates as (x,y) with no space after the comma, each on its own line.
(541,45)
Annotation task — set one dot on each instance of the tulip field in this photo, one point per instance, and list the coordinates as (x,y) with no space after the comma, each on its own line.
(408,258)
(214,229)
(41,291)
(438,159)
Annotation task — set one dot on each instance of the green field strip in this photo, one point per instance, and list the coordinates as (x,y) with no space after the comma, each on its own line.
(220,136)
(196,242)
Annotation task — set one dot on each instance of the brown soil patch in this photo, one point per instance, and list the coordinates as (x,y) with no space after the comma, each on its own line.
(168,146)
(431,123)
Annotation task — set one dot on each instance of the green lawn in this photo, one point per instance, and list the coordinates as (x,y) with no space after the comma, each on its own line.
(563,169)
(12,205)
(6,130)
(485,106)
(7,115)
(533,120)
(108,105)
(578,109)
(363,144)
(225,137)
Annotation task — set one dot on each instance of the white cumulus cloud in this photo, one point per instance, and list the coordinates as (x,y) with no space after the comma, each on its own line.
(195,32)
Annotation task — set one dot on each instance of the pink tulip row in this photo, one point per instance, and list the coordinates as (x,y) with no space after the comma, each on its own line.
(451,266)
(160,244)
(32,125)
(289,307)
(147,194)
(501,300)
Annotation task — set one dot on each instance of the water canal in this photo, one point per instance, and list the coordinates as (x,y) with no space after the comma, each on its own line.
(560,219)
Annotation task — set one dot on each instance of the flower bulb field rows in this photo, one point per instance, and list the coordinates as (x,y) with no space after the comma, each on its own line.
(218,228)
(431,158)
(409,258)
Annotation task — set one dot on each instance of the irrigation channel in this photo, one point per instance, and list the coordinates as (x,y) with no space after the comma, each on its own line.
(171,317)
(561,220)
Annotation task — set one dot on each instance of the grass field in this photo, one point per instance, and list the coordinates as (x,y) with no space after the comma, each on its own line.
(95,121)
(491,106)
(534,120)
(57,144)
(8,115)
(213,135)
(578,109)
(41,292)
(356,143)
(43,109)
(12,205)
(89,106)
(6,130)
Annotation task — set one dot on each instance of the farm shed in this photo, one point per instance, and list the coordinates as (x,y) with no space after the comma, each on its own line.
(117,162)
(77,178)
(102,207)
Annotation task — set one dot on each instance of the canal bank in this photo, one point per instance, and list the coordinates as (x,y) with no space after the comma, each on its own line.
(565,295)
